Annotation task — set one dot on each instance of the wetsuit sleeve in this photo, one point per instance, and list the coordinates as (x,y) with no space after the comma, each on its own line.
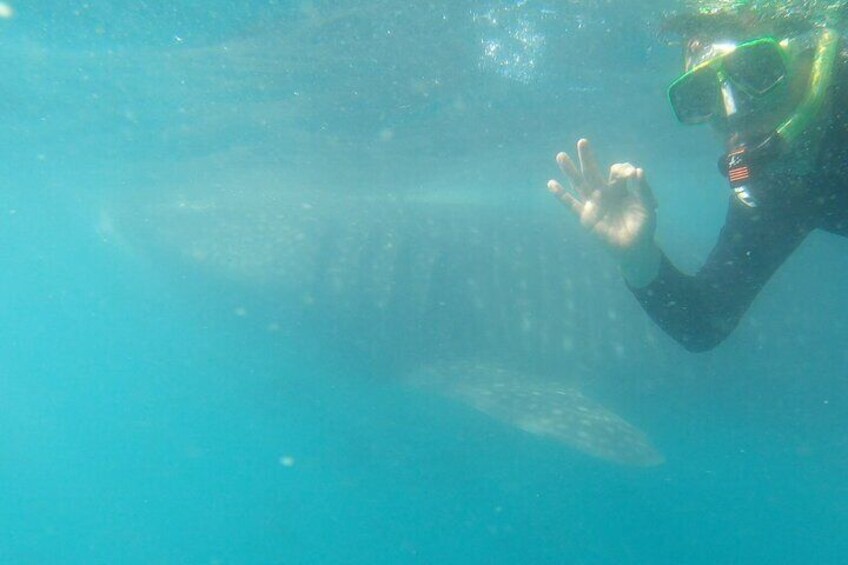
(700,311)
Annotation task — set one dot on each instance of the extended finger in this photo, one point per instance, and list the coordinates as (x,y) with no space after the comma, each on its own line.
(578,183)
(589,165)
(565,197)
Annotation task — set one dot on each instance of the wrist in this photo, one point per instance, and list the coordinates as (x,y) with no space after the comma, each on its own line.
(641,265)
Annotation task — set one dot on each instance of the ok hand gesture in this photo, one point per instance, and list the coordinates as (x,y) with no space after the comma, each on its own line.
(621,211)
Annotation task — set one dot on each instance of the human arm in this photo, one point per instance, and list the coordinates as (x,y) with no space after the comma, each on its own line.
(699,310)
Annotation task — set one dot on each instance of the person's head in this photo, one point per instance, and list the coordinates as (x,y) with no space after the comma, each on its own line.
(747,64)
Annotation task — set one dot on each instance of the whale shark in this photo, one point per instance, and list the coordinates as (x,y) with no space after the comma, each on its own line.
(417,284)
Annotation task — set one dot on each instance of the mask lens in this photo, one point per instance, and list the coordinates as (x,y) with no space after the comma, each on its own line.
(694,96)
(755,68)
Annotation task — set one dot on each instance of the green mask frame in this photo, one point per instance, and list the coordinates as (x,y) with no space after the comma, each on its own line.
(757,68)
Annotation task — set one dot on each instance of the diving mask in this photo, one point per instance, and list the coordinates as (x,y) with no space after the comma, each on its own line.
(713,85)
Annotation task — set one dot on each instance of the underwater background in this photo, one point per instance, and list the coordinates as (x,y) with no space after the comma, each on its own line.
(269,266)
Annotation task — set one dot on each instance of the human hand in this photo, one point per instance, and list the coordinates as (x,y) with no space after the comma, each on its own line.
(620,211)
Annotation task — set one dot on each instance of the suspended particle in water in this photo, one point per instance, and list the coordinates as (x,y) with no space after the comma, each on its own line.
(287,461)
(6,11)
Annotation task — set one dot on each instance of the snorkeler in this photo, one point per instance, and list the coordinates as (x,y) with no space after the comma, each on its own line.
(771,78)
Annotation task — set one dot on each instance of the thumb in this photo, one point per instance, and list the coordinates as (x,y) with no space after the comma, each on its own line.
(640,187)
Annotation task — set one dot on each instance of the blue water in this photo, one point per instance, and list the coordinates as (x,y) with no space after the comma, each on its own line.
(148,412)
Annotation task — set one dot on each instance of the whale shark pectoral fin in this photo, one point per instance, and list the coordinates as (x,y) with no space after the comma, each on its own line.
(546,409)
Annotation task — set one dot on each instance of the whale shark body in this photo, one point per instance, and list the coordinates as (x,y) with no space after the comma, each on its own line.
(418,285)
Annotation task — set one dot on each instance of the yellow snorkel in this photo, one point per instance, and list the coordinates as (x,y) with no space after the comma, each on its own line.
(775,18)
(821,77)
(742,162)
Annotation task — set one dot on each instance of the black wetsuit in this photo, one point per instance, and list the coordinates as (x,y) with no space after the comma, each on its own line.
(700,311)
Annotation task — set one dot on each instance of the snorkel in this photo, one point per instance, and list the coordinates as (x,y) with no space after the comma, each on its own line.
(742,163)
(753,149)
(821,77)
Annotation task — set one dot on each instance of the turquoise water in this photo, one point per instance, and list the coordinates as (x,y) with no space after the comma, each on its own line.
(232,233)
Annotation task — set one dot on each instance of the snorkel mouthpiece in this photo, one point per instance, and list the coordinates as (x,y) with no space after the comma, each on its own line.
(742,163)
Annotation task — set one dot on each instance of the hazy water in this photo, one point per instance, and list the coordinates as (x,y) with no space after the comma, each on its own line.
(154,412)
